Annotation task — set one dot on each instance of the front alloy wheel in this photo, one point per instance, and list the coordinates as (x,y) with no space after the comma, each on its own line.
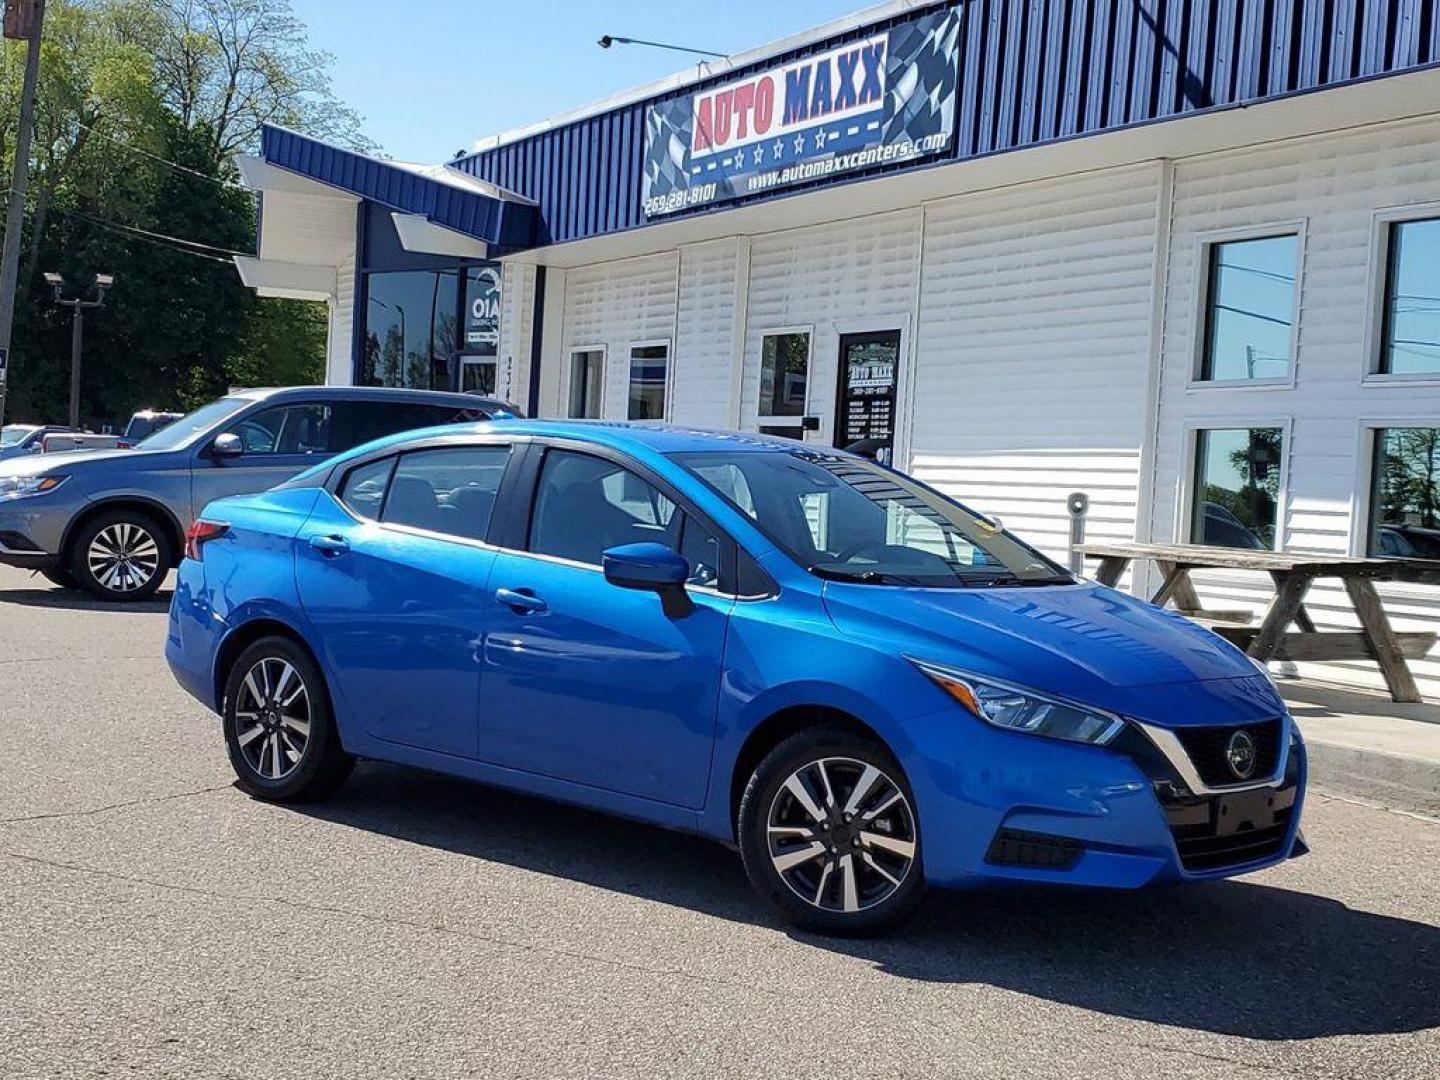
(120,555)
(841,835)
(829,833)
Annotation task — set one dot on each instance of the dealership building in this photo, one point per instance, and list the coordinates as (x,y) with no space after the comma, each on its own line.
(1180,255)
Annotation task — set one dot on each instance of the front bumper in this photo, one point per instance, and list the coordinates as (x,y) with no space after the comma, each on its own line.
(1046,811)
(22,536)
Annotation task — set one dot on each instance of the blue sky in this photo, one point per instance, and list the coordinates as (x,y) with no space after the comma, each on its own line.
(432,76)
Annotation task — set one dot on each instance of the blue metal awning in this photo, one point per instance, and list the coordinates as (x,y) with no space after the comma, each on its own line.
(444,196)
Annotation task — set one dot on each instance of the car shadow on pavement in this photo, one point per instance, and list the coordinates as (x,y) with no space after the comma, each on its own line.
(70,600)
(1236,958)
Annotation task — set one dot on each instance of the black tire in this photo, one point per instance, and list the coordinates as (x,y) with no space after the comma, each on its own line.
(262,742)
(121,555)
(868,886)
(60,577)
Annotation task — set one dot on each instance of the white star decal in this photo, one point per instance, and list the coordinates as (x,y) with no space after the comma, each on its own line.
(799,144)
(820,137)
(759,154)
(779,149)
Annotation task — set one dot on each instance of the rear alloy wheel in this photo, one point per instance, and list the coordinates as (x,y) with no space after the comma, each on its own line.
(122,555)
(829,833)
(279,728)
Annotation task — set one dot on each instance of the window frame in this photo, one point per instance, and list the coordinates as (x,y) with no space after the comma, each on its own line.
(570,355)
(651,343)
(1206,244)
(1382,225)
(1189,458)
(335,484)
(522,511)
(1362,492)
(764,419)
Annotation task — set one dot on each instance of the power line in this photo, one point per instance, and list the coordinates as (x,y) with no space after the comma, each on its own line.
(166,161)
(175,243)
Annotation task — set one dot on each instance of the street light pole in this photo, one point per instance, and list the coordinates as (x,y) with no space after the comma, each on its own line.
(78,306)
(23,20)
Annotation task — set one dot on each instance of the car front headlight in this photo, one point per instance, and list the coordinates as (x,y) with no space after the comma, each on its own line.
(1016,708)
(18,487)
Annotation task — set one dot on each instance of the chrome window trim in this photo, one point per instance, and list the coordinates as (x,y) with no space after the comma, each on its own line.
(1168,743)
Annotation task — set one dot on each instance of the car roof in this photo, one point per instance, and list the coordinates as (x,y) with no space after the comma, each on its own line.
(369,393)
(630,435)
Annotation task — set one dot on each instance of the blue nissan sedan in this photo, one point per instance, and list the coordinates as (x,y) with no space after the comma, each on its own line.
(864,686)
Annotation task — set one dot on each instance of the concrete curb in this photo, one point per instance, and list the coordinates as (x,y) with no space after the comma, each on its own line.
(1391,780)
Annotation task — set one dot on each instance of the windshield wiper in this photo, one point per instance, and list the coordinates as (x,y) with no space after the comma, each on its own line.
(1009,581)
(863,577)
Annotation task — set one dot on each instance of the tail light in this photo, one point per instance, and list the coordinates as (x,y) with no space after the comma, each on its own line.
(201,532)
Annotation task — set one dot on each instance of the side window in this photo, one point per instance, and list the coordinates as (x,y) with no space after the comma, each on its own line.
(365,486)
(286,429)
(448,490)
(585,505)
(701,548)
(356,422)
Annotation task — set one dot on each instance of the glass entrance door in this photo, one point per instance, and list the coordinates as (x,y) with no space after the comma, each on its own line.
(865,401)
(479,375)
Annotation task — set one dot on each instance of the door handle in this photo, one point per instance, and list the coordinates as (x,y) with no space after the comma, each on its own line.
(521,601)
(330,546)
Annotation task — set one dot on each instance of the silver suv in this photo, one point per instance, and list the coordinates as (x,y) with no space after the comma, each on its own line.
(113,522)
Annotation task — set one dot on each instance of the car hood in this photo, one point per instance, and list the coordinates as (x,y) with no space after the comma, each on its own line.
(1085,642)
(61,460)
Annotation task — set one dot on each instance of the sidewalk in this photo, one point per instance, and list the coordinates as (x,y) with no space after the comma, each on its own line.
(1363,744)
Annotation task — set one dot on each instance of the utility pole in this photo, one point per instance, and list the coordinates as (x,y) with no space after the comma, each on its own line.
(78,306)
(23,21)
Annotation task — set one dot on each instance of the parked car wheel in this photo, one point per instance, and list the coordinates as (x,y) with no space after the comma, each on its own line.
(829,834)
(121,555)
(279,727)
(60,577)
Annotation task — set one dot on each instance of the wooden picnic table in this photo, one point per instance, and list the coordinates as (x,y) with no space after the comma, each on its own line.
(1293,574)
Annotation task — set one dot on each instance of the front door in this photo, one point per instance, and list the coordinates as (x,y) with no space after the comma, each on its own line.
(588,682)
(865,404)
(279,442)
(394,576)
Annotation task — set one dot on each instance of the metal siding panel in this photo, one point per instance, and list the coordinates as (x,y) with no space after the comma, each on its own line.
(1009,89)
(1075,72)
(1167,88)
(1099,73)
(1250,58)
(994,34)
(1122,64)
(1197,93)
(1035,49)
(967,140)
(1147,30)
(1050,86)
(1374,31)
(1222,59)
(1312,52)
(1282,40)
(1342,41)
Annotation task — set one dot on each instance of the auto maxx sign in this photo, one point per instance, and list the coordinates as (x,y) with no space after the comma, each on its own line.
(886,98)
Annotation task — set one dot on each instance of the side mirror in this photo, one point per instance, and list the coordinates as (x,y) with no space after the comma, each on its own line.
(227,446)
(653,568)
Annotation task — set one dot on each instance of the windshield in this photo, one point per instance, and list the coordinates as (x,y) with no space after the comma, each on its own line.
(851,520)
(187,427)
(11,434)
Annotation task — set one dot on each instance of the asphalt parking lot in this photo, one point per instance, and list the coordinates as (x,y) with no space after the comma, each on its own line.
(155,922)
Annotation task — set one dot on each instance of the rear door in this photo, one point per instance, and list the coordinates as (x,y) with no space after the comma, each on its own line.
(588,682)
(393,570)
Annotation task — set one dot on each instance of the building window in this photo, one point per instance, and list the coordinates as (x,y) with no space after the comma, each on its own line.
(1410,336)
(587,379)
(1249,309)
(1237,487)
(784,372)
(648,368)
(410,329)
(1405,494)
